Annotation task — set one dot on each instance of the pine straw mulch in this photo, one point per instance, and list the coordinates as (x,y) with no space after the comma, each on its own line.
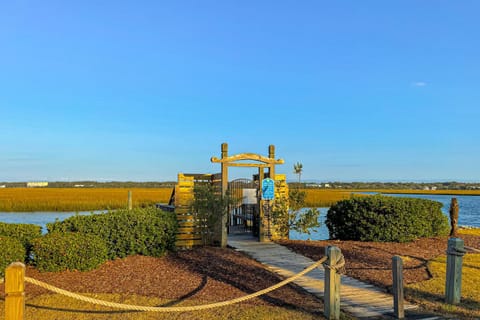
(203,274)
(372,261)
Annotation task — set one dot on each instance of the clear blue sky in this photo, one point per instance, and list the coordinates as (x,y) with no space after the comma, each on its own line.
(142,90)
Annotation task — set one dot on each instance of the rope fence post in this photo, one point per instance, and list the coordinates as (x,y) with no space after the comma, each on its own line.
(332,283)
(397,272)
(453,285)
(15,291)
(130,200)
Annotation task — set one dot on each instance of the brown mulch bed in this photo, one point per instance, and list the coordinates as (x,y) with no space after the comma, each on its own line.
(371,261)
(204,274)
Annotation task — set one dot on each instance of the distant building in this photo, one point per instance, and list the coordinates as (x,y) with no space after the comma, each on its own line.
(433,188)
(37,184)
(3,186)
(79,185)
(426,188)
(327,185)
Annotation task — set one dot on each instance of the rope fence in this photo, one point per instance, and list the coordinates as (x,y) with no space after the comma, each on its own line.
(15,296)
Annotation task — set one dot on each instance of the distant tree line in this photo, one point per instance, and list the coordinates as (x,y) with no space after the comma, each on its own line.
(96,184)
(452,185)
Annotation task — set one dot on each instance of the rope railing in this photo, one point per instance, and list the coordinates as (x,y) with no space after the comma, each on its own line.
(173,309)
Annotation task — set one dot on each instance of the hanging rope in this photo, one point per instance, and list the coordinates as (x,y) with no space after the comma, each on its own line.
(173,309)
(456,251)
(338,266)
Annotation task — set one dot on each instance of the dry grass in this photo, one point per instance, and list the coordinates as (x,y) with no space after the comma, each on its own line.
(470,231)
(77,199)
(431,292)
(55,306)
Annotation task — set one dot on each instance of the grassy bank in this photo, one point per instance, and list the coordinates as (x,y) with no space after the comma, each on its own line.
(439,192)
(431,293)
(84,199)
(77,199)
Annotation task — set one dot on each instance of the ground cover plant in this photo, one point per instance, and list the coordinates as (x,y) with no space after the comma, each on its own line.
(145,231)
(381,218)
(68,251)
(11,250)
(78,199)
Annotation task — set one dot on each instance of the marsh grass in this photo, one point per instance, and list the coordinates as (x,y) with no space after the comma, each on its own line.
(77,199)
(326,197)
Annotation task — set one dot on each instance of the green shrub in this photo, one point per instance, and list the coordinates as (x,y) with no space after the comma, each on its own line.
(12,250)
(23,232)
(381,218)
(68,251)
(145,231)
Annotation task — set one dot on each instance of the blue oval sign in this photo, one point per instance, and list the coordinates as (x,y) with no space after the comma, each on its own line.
(268,189)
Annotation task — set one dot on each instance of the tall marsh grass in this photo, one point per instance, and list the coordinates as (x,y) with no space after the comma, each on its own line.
(77,199)
(326,197)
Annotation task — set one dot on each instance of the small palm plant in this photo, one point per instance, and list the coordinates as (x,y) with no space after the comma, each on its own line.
(298,169)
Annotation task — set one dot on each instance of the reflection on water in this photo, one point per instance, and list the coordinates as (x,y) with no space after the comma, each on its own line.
(40,218)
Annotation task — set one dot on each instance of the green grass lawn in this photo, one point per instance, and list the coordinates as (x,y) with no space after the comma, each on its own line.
(431,293)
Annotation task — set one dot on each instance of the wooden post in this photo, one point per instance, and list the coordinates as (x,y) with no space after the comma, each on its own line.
(129,199)
(271,167)
(397,271)
(15,291)
(261,224)
(221,232)
(332,284)
(453,285)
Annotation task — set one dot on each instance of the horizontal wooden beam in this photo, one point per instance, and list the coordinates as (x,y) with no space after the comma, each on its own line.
(256,165)
(247,156)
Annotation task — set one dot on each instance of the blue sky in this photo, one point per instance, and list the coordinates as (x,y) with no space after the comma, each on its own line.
(142,90)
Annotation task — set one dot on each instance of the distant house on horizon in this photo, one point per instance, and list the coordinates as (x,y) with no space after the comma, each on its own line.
(37,184)
(3,186)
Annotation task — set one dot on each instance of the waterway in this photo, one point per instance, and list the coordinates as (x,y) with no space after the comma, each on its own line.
(469,215)
(40,218)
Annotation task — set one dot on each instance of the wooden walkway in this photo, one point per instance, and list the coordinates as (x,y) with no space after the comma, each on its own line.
(357,298)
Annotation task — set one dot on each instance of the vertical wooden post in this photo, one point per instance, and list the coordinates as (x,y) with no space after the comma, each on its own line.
(15,291)
(332,284)
(271,155)
(397,271)
(261,224)
(221,232)
(453,285)
(130,200)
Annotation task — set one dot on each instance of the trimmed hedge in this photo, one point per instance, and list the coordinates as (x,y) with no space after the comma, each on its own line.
(382,218)
(23,232)
(12,250)
(69,251)
(145,231)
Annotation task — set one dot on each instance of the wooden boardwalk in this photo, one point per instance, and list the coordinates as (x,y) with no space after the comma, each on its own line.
(357,298)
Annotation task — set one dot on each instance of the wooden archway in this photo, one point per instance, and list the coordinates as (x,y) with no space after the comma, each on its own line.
(244,160)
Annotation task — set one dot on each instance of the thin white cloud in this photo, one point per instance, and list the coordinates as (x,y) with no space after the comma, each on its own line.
(419,84)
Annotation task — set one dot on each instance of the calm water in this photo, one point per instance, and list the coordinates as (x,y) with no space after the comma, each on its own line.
(40,218)
(469,213)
